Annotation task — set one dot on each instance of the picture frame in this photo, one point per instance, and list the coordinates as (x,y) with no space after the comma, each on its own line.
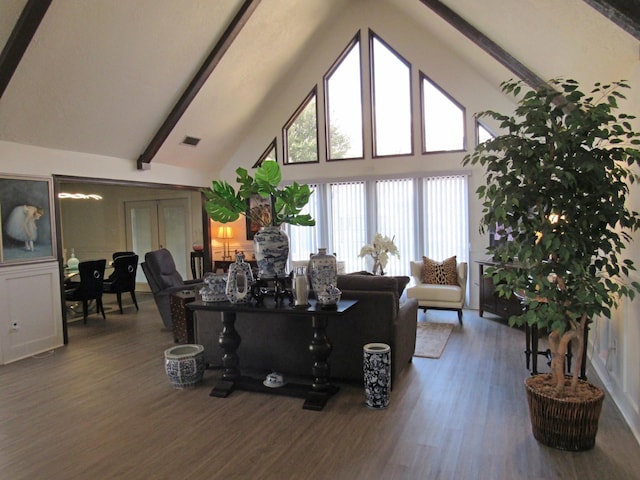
(256,202)
(27,227)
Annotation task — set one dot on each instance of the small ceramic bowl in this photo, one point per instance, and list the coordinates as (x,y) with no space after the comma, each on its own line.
(329,298)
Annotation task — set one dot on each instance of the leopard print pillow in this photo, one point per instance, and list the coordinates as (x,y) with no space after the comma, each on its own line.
(440,273)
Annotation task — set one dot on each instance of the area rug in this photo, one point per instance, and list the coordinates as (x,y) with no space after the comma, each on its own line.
(432,338)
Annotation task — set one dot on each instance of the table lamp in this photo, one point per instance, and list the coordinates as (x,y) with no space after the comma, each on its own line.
(225,233)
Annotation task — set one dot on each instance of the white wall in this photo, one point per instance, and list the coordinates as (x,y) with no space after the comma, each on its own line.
(32,160)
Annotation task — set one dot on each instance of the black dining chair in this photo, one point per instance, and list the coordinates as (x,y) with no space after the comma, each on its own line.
(90,286)
(120,254)
(123,278)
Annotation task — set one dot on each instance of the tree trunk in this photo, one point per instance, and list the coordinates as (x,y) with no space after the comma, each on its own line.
(579,350)
(559,344)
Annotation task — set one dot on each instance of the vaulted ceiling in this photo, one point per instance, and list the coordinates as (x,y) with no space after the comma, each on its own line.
(130,79)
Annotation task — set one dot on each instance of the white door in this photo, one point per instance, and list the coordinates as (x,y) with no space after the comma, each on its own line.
(155,224)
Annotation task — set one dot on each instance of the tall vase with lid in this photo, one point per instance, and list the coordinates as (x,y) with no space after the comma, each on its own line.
(239,281)
(271,247)
(323,271)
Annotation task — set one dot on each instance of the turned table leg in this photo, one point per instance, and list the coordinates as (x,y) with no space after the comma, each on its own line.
(229,341)
(320,348)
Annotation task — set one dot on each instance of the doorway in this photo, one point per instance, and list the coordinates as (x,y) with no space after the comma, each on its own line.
(154,224)
(95,228)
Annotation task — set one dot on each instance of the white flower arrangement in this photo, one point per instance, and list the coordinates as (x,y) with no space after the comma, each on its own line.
(379,251)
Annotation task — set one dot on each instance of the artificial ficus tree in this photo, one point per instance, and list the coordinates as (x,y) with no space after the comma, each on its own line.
(557,183)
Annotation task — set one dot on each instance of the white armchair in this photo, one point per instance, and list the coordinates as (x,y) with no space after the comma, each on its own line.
(439,297)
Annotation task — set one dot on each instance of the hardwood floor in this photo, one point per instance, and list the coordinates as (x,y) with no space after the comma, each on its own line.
(102,408)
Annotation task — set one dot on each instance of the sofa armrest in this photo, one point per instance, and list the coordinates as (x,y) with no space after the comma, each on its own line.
(416,272)
(405,332)
(180,288)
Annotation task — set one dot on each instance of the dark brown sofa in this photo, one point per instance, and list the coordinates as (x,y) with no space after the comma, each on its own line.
(281,343)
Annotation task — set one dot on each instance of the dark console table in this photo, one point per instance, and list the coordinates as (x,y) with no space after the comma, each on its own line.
(318,393)
(491,302)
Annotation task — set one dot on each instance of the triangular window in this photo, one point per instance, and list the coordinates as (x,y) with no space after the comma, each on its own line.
(442,119)
(483,133)
(268,154)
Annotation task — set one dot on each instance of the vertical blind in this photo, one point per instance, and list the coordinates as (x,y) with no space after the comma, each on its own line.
(396,219)
(446,217)
(425,216)
(348,222)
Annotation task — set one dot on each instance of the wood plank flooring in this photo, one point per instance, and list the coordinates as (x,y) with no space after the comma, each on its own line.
(102,408)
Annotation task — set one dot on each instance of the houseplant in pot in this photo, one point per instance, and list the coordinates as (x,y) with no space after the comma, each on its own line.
(284,204)
(556,185)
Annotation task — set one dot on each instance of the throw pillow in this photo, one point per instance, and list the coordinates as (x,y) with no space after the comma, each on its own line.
(440,273)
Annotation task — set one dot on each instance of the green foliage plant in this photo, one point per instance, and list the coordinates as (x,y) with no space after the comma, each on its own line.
(557,184)
(224,203)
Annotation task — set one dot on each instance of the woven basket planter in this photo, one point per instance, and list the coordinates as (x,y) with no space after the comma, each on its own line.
(564,423)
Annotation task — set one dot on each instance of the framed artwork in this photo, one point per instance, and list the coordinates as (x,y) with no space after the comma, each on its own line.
(27,232)
(259,207)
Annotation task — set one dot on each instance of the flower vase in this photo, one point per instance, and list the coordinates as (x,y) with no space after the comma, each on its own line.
(72,263)
(323,271)
(271,247)
(239,281)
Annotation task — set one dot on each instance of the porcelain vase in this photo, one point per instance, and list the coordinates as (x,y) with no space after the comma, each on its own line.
(323,271)
(271,247)
(377,374)
(184,365)
(215,287)
(239,281)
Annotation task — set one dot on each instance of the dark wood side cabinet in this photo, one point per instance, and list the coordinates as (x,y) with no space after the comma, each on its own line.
(489,299)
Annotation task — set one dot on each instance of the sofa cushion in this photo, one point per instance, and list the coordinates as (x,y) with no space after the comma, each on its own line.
(440,273)
(375,283)
(435,293)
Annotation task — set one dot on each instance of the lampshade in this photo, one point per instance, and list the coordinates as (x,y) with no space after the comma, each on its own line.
(225,232)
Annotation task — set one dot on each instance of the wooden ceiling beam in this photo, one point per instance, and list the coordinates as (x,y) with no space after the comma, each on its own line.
(624,13)
(484,42)
(200,78)
(20,38)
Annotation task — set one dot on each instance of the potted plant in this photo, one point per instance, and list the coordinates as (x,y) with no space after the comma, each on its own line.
(556,185)
(284,204)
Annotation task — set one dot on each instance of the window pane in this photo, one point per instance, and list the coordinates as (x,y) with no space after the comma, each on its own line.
(446,228)
(391,101)
(396,219)
(483,133)
(303,240)
(344,105)
(302,135)
(443,120)
(268,154)
(348,223)
(343,214)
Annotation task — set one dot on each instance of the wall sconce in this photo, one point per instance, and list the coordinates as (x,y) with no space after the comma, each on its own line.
(225,233)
